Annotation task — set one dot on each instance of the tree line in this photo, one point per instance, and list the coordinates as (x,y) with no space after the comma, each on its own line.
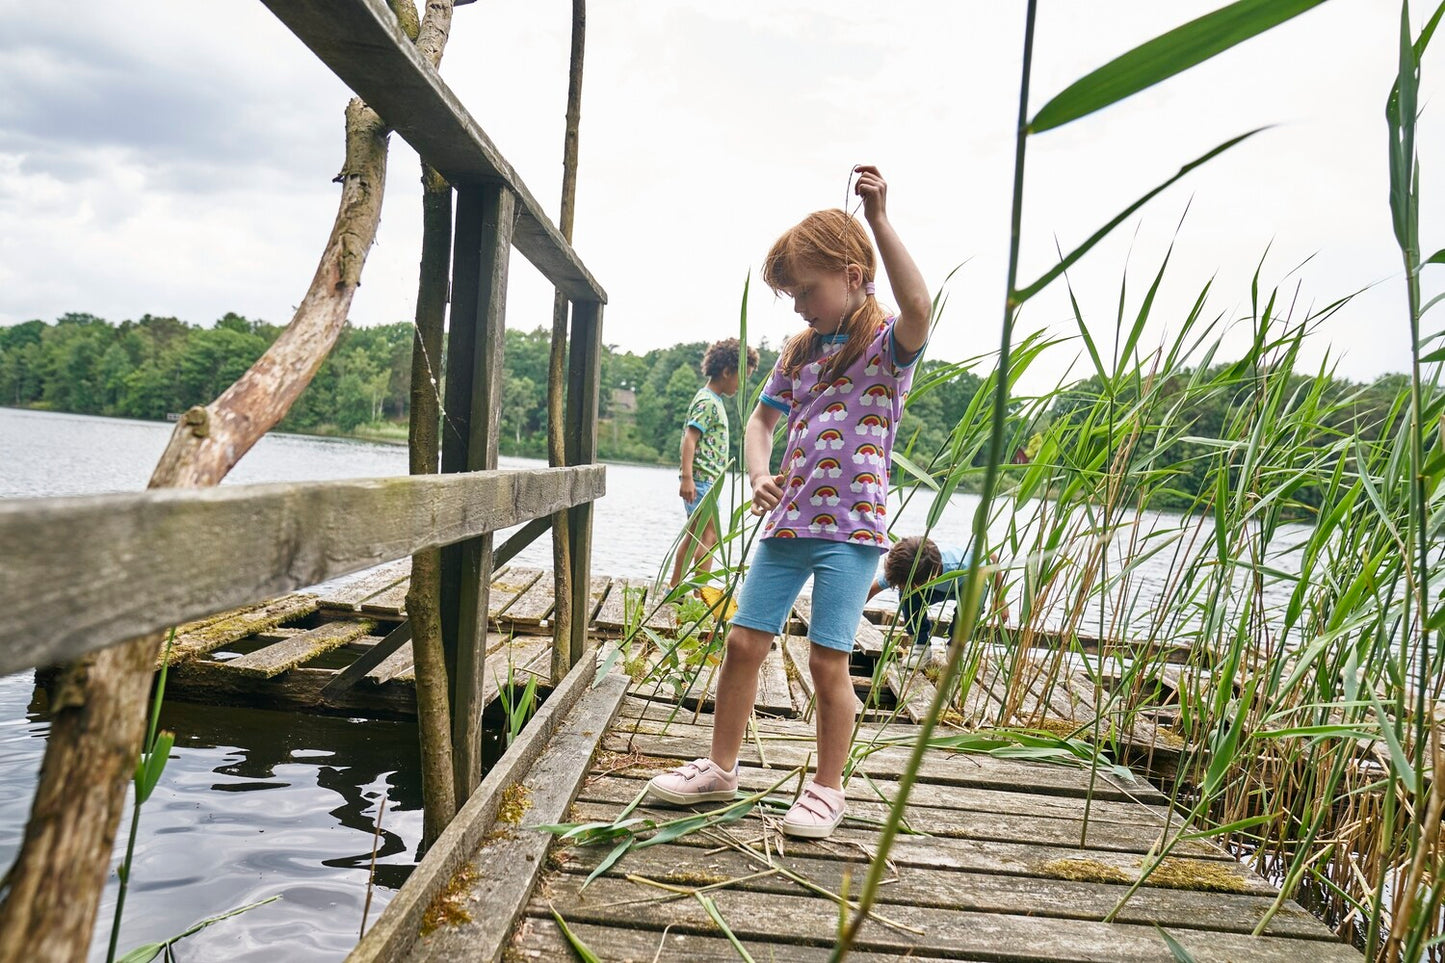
(157,366)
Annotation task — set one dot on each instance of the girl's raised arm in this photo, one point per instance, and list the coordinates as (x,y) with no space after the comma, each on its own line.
(909,290)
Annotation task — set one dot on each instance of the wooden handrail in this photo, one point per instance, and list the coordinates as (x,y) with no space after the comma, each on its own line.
(363,45)
(80,574)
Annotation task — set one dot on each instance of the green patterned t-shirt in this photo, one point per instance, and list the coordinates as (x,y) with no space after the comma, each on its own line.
(707,415)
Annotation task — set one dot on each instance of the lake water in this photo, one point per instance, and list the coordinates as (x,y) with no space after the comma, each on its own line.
(257,803)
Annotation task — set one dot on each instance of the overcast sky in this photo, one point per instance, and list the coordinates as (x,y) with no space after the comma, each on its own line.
(175,157)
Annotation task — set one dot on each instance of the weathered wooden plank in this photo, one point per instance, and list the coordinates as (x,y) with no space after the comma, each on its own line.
(373,657)
(347,597)
(622,608)
(532,607)
(998,936)
(661,615)
(238,626)
(1045,897)
(795,651)
(507,586)
(394,666)
(389,602)
(210,683)
(539,938)
(362,44)
(868,639)
(519,540)
(925,797)
(597,587)
(774,697)
(1119,835)
(299,649)
(915,694)
(507,864)
(584,378)
(69,583)
(395,930)
(962,769)
(514,656)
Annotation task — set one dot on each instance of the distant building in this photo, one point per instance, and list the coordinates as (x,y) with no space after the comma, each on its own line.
(624,401)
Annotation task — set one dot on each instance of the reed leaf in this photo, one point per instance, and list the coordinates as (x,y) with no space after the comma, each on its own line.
(1022,295)
(1166,55)
(583,951)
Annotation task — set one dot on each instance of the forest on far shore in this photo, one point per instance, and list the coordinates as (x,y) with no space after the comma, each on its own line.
(158,366)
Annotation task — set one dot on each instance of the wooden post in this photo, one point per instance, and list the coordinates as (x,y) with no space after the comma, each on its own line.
(433,709)
(583,374)
(482,249)
(563,610)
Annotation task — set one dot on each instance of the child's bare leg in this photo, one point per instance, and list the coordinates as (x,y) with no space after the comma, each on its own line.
(707,541)
(737,690)
(829,668)
(687,547)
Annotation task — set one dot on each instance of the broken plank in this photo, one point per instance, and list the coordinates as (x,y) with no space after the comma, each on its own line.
(258,618)
(622,608)
(299,649)
(392,666)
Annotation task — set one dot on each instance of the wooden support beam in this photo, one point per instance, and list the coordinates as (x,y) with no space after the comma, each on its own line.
(584,362)
(362,44)
(72,582)
(481,253)
(367,661)
(519,540)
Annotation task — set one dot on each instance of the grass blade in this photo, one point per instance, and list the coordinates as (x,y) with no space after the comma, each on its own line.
(584,953)
(1164,56)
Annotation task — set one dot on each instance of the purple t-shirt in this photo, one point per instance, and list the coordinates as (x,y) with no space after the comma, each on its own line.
(840,441)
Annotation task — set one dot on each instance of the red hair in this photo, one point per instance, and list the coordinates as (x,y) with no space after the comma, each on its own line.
(825,241)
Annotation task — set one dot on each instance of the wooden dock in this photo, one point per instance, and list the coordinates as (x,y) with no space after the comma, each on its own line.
(1000,864)
(347,650)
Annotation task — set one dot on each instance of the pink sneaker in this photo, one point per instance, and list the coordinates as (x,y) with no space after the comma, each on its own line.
(816,814)
(699,781)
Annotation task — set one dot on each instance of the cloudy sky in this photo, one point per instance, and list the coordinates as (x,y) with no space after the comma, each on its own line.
(176,156)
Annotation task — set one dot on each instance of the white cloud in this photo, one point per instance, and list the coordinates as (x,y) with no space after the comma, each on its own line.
(175,157)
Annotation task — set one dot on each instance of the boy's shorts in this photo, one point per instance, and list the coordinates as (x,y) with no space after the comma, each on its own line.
(841,571)
(702,490)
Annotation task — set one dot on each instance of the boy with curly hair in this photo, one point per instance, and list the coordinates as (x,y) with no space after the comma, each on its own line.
(705,454)
(910,565)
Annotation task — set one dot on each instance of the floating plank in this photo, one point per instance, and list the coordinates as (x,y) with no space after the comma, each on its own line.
(347,597)
(79,555)
(532,607)
(299,649)
(212,683)
(247,622)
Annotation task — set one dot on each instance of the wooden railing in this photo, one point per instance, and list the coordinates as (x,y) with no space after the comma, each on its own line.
(79,574)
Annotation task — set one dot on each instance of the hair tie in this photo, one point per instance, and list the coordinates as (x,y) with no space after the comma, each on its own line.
(869,288)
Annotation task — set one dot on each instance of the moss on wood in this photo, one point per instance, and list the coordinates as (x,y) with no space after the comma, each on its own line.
(448,908)
(516,800)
